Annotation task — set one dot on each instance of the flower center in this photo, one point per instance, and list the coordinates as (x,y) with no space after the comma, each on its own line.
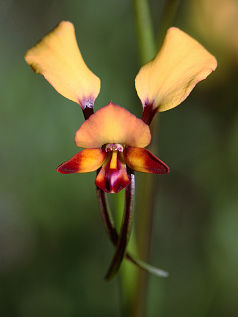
(113,173)
(114,147)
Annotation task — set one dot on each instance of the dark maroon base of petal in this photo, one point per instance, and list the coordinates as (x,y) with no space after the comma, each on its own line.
(148,112)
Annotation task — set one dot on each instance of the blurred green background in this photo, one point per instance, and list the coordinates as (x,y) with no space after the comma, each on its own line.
(53,248)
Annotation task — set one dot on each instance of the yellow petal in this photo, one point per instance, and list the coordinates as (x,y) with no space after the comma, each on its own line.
(168,79)
(58,59)
(112,124)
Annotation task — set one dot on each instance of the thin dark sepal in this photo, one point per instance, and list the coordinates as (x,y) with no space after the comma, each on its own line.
(106,215)
(111,230)
(125,229)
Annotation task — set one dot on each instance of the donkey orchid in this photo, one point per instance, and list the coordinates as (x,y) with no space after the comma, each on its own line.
(114,139)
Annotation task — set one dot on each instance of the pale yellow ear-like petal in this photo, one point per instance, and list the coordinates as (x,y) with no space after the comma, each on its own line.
(58,59)
(168,79)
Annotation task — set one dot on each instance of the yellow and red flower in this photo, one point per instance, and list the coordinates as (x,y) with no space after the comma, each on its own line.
(114,140)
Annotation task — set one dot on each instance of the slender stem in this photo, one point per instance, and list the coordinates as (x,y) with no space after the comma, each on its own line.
(146,41)
(145,210)
(125,228)
(169,14)
(145,207)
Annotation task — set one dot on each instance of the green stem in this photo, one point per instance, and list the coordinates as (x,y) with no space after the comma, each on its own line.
(144,212)
(144,221)
(146,39)
(169,14)
(145,208)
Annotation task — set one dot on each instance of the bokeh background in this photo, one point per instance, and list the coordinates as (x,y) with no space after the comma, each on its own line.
(53,248)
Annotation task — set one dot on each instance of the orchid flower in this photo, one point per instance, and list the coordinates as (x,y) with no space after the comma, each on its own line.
(113,139)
